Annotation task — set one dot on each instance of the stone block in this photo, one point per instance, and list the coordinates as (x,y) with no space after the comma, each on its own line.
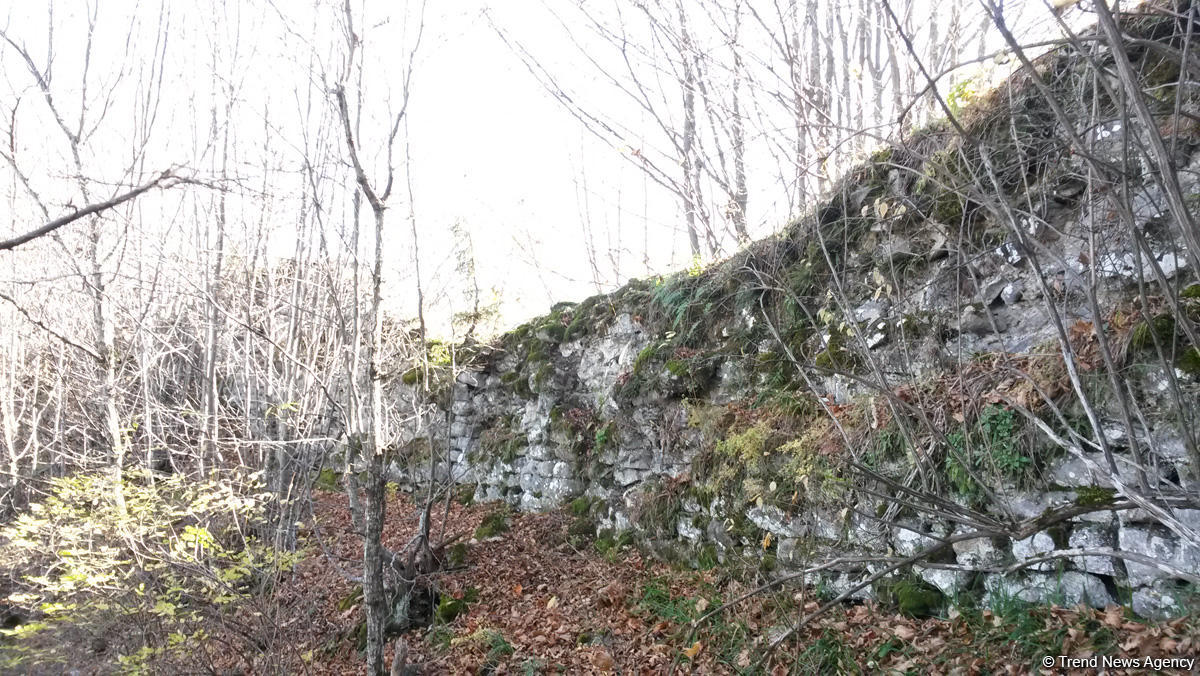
(1067,589)
(1091,536)
(1032,547)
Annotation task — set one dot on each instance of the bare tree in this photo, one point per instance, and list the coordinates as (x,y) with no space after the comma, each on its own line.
(370,440)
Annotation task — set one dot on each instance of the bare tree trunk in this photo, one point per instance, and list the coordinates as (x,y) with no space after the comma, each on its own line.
(213,272)
(741,196)
(688,141)
(369,437)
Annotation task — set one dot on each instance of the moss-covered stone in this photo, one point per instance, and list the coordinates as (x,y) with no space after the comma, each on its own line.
(1160,329)
(1090,496)
(328,480)
(492,525)
(1189,362)
(543,374)
(449,607)
(911,595)
(553,331)
(581,506)
(457,556)
(644,356)
(502,440)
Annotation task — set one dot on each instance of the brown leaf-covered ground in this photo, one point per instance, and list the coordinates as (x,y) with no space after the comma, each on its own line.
(546,602)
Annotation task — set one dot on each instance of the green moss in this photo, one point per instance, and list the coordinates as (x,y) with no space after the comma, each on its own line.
(327,480)
(543,374)
(555,332)
(510,378)
(748,447)
(644,356)
(1189,362)
(591,314)
(457,556)
(678,367)
(1191,292)
(608,543)
(464,494)
(917,598)
(1089,496)
(1161,329)
(450,608)
(767,563)
(911,595)
(581,506)
(604,544)
(412,376)
(493,524)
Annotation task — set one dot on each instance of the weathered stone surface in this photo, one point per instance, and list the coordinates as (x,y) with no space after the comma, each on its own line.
(1145,542)
(949,582)
(1033,547)
(773,520)
(687,531)
(1068,589)
(1159,601)
(979,552)
(1090,536)
(909,541)
(787,554)
(719,535)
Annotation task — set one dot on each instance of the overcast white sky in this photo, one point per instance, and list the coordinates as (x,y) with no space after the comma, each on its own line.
(489,149)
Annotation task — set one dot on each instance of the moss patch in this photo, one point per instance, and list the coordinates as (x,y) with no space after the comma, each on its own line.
(492,525)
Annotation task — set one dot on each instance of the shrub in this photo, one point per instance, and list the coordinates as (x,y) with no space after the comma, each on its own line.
(169,555)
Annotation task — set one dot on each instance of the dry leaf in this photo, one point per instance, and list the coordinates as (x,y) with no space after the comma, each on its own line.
(602,661)
(1112,616)
(517,589)
(904,632)
(691,653)
(743,659)
(552,603)
(701,605)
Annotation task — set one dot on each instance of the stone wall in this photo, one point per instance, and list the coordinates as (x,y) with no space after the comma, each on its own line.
(543,460)
(911,327)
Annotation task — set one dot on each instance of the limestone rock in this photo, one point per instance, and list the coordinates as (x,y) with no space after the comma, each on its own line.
(1032,547)
(1068,589)
(1090,536)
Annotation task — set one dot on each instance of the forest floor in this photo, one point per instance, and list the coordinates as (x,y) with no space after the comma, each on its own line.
(538,599)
